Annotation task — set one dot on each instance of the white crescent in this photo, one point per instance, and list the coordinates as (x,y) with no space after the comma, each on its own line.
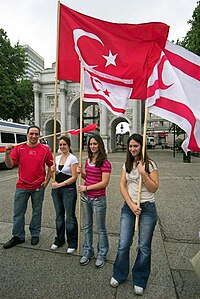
(77,33)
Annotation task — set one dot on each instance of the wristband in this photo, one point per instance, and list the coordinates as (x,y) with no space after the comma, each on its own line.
(85,188)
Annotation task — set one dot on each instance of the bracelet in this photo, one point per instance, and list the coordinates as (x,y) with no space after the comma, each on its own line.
(85,188)
(65,182)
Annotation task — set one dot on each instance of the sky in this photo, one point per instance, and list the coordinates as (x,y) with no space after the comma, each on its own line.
(34,22)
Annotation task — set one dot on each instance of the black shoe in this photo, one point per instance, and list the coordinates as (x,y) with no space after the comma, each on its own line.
(34,240)
(13,242)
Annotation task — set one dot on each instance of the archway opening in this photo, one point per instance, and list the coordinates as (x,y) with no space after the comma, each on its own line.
(49,130)
(119,126)
(122,134)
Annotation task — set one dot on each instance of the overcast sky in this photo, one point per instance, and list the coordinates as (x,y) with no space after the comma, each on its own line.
(33,22)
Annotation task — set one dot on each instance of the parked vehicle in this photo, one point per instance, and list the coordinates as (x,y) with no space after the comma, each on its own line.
(151,142)
(11,133)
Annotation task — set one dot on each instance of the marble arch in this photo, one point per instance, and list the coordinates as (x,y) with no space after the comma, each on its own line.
(68,109)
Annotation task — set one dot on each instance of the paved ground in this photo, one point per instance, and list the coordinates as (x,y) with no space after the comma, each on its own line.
(28,271)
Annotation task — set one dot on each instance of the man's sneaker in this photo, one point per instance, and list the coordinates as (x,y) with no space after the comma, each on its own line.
(138,290)
(34,240)
(70,250)
(54,247)
(114,283)
(99,263)
(84,260)
(13,242)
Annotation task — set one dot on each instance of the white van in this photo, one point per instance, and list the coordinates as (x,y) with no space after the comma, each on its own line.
(11,133)
(151,142)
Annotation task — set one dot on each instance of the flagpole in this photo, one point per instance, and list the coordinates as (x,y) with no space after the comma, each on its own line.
(143,153)
(56,88)
(80,157)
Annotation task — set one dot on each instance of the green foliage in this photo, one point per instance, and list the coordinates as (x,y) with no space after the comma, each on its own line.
(16,95)
(192,38)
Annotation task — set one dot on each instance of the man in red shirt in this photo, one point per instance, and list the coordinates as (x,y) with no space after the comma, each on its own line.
(31,158)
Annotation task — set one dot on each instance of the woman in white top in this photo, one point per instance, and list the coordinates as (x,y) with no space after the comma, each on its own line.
(129,183)
(64,196)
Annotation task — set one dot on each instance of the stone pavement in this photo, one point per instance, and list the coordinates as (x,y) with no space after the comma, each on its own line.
(28,271)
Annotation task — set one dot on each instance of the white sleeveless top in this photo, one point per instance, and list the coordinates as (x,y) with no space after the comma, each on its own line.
(132,179)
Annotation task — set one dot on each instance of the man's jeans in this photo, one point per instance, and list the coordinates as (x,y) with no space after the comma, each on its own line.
(20,206)
(96,207)
(142,266)
(64,200)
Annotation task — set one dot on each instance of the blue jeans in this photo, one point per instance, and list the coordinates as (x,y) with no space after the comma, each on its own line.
(97,207)
(64,200)
(142,266)
(20,206)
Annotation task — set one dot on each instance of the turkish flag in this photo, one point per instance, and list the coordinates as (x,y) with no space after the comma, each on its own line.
(122,55)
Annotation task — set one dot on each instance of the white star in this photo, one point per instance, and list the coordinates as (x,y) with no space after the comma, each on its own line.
(110,59)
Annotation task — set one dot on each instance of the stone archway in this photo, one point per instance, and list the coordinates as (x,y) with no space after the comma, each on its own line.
(112,131)
(68,110)
(90,115)
(49,128)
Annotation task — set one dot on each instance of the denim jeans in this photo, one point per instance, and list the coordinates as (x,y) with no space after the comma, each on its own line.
(64,200)
(97,207)
(20,206)
(142,266)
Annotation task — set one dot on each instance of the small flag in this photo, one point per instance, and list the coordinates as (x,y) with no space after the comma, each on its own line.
(89,128)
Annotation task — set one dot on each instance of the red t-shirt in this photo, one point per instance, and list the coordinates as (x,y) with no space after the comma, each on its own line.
(32,162)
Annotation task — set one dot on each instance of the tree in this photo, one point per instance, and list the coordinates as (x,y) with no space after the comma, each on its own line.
(16,95)
(192,39)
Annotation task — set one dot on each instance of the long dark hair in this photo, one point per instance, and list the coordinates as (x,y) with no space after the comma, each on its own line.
(68,141)
(102,156)
(130,159)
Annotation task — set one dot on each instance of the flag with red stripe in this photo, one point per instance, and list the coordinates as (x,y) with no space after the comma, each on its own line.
(173,92)
(89,128)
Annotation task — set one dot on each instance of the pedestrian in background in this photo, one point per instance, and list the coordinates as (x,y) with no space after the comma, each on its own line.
(31,158)
(97,177)
(64,196)
(132,169)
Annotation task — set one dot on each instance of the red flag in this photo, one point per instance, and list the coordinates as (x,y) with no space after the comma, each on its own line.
(89,128)
(173,92)
(117,58)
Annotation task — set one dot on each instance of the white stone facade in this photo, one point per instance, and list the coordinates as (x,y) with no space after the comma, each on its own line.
(68,110)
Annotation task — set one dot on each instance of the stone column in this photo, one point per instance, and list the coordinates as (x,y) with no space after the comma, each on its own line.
(37,108)
(104,125)
(37,89)
(135,125)
(37,94)
(62,105)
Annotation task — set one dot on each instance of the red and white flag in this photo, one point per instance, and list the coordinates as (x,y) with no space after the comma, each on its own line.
(174,92)
(117,59)
(89,128)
